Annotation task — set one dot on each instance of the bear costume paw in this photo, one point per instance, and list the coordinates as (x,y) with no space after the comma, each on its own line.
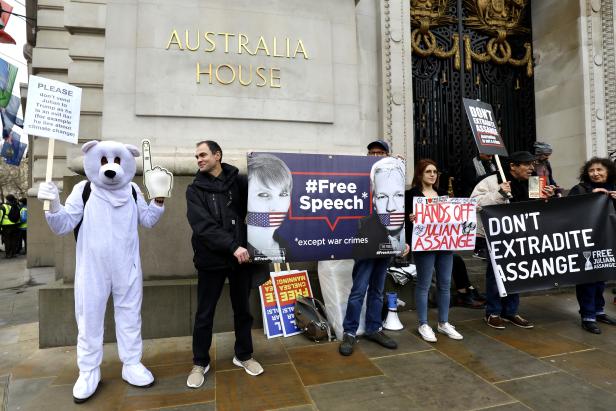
(137,375)
(86,385)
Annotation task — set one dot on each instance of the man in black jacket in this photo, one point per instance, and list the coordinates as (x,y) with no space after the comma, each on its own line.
(216,211)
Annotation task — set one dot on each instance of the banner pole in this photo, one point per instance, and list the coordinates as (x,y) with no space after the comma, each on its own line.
(497,277)
(49,171)
(500,171)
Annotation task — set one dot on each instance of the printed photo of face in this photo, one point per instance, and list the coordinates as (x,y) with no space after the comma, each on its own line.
(267,199)
(388,194)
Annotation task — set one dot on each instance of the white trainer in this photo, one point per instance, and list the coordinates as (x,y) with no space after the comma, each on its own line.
(449,330)
(137,375)
(86,385)
(196,378)
(251,366)
(427,333)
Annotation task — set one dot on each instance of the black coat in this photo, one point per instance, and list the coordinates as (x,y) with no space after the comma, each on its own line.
(372,228)
(216,211)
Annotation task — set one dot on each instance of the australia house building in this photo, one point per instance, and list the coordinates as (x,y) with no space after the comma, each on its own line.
(325,76)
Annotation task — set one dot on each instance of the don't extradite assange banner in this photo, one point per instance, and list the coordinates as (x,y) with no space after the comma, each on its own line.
(538,245)
(310,207)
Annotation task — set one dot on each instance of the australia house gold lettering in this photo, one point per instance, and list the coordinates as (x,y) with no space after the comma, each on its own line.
(174,39)
(227,35)
(276,77)
(208,37)
(239,76)
(300,49)
(187,38)
(200,72)
(277,47)
(218,69)
(242,42)
(227,74)
(261,75)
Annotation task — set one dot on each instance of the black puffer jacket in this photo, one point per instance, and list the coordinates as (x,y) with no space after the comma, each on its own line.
(216,211)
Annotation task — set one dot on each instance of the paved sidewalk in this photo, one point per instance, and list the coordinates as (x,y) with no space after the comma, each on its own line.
(556,366)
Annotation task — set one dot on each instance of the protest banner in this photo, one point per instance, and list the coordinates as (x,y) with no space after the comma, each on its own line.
(8,74)
(287,286)
(309,207)
(13,149)
(269,308)
(537,245)
(444,223)
(52,112)
(483,124)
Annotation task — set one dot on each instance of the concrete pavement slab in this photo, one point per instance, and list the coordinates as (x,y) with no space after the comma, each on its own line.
(490,359)
(320,364)
(559,391)
(431,381)
(279,386)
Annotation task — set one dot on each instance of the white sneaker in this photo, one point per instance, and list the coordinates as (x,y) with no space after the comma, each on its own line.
(196,378)
(251,366)
(427,333)
(137,375)
(86,385)
(449,330)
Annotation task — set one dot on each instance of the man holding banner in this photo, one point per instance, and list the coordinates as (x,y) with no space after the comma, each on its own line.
(216,210)
(490,191)
(387,184)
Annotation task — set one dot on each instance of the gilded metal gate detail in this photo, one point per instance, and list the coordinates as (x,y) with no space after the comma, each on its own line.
(493,39)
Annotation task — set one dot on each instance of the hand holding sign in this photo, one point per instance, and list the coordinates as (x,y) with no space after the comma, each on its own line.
(157,180)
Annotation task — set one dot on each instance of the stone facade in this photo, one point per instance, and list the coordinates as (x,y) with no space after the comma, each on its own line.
(141,82)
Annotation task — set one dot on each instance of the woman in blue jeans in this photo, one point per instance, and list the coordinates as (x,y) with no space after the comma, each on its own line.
(424,184)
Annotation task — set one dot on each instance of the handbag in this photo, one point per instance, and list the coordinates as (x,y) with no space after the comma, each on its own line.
(311,319)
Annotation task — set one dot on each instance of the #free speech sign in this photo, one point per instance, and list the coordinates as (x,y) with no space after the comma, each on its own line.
(53,109)
(312,207)
(536,245)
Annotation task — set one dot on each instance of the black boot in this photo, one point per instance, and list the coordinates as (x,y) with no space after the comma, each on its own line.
(591,327)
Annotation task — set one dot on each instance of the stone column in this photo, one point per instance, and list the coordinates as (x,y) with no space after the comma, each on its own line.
(396,94)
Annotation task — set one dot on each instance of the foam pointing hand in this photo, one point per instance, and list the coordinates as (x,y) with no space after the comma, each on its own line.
(158,181)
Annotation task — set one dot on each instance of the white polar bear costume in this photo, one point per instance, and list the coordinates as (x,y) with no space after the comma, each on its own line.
(108,260)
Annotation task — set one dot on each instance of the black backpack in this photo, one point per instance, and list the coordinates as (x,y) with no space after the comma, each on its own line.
(310,317)
(84,196)
(14,215)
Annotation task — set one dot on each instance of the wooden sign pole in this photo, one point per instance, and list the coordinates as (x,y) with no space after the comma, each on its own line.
(49,171)
(500,171)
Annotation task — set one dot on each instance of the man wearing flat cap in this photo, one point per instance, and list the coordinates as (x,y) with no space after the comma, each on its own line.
(492,190)
(543,168)
(369,274)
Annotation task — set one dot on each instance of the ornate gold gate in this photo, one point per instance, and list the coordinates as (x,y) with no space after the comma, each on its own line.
(476,49)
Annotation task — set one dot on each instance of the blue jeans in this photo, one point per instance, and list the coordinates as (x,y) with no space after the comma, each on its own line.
(426,261)
(495,305)
(368,275)
(590,298)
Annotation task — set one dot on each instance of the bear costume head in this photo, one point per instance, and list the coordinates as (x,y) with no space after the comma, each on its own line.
(109,164)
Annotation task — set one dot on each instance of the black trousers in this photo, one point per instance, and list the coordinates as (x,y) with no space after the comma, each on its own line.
(209,288)
(11,238)
(459,273)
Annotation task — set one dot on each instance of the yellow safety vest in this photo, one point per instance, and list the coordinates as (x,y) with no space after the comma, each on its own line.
(24,225)
(5,215)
